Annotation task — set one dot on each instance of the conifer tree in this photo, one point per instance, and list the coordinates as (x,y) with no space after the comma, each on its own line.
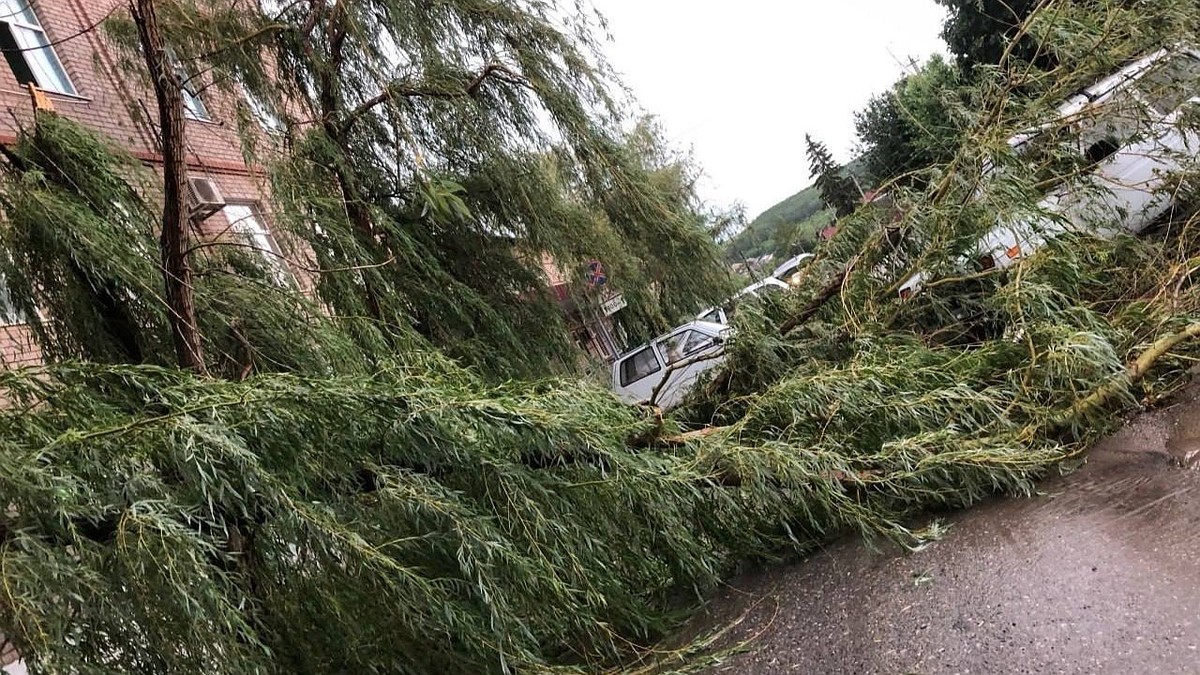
(837,189)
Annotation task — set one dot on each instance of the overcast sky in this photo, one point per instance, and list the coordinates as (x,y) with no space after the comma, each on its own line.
(741,82)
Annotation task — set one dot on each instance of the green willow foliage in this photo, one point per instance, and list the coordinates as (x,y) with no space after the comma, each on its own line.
(81,260)
(440,150)
(1078,310)
(361,502)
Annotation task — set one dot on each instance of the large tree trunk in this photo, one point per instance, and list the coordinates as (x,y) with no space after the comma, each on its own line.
(336,129)
(177,272)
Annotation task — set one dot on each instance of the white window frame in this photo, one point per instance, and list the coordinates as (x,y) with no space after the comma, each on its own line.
(36,48)
(193,104)
(270,122)
(9,314)
(245,222)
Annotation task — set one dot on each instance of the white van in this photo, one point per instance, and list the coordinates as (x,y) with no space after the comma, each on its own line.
(1126,130)
(680,357)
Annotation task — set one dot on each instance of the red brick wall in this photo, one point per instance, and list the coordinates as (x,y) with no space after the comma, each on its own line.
(116,103)
(17,347)
(108,101)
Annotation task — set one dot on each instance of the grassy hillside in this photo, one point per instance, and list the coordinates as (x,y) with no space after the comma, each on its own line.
(776,228)
(793,221)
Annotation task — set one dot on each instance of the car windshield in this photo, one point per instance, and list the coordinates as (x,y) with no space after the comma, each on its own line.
(1170,84)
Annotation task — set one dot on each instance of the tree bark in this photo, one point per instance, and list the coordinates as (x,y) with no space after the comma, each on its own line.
(330,101)
(177,271)
(1133,374)
(831,290)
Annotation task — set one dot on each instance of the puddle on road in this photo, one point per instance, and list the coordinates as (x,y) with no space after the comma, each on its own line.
(1184,443)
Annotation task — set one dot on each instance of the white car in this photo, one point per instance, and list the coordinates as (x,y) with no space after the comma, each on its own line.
(721,314)
(663,371)
(1126,130)
(787,270)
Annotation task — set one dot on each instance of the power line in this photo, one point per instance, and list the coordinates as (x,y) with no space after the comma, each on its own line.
(24,8)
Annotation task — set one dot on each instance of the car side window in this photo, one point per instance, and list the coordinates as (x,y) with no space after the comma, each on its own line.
(639,365)
(1110,126)
(697,341)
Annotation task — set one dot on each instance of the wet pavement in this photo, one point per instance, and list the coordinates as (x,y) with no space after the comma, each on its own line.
(1098,574)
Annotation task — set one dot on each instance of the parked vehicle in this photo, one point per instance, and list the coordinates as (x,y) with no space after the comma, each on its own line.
(680,357)
(788,270)
(1123,138)
(724,313)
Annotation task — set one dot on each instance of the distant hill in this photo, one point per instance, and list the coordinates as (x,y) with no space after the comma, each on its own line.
(793,222)
(772,231)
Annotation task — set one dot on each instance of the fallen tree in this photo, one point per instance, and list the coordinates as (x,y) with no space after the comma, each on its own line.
(347,507)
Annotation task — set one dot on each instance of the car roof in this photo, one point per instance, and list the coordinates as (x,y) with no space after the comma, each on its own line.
(769,281)
(706,326)
(1103,89)
(791,262)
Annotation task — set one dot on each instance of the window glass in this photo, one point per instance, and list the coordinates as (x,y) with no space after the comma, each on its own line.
(1113,124)
(683,344)
(1051,155)
(28,50)
(262,112)
(20,11)
(672,347)
(697,341)
(639,365)
(1071,146)
(1170,84)
(247,224)
(193,105)
(8,313)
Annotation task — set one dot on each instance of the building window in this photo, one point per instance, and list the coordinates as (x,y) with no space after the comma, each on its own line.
(28,50)
(266,117)
(193,105)
(9,314)
(247,225)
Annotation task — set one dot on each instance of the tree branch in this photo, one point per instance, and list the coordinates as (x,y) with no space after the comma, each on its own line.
(406,89)
(682,363)
(1132,375)
(828,293)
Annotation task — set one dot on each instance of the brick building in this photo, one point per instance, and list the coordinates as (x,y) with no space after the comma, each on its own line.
(58,48)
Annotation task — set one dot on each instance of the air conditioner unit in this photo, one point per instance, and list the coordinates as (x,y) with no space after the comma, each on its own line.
(206,198)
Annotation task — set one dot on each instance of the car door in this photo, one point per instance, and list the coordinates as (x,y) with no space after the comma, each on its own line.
(636,374)
(688,353)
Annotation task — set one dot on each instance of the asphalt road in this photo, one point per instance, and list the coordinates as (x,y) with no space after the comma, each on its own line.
(1099,574)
